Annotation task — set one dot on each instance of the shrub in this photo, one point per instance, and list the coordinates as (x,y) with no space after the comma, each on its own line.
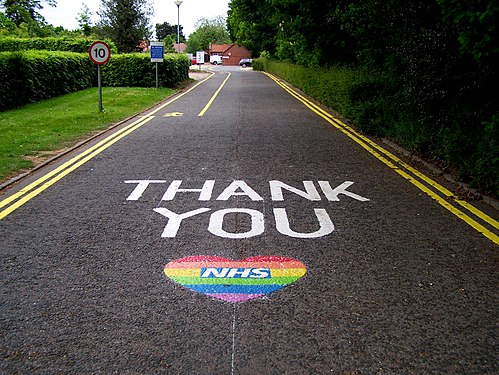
(377,105)
(80,45)
(31,76)
(136,70)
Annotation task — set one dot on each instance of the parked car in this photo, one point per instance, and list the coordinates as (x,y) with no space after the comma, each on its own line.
(245,62)
(192,58)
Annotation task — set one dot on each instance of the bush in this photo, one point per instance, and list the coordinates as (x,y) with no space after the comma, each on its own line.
(79,45)
(377,105)
(136,70)
(31,76)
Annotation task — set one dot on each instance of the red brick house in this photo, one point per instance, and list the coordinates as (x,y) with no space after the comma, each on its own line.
(231,53)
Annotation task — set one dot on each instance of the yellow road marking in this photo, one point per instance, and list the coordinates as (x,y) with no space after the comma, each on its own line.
(71,168)
(373,148)
(27,194)
(213,97)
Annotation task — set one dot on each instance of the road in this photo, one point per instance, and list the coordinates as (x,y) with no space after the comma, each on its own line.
(238,229)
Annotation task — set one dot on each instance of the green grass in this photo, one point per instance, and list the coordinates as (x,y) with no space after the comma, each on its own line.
(37,131)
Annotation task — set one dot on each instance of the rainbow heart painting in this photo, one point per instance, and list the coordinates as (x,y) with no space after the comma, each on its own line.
(235,281)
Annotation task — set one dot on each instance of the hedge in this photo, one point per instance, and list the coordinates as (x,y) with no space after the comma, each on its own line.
(136,70)
(81,45)
(376,105)
(30,76)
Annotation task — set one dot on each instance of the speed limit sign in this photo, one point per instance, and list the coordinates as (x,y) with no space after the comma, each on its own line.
(99,53)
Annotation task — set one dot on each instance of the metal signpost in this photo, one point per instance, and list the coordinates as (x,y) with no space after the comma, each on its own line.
(99,53)
(157,56)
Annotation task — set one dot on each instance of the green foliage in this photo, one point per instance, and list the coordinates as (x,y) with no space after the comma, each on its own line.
(6,23)
(423,73)
(252,24)
(208,31)
(126,22)
(25,11)
(376,105)
(136,70)
(165,30)
(85,22)
(80,45)
(31,76)
(476,24)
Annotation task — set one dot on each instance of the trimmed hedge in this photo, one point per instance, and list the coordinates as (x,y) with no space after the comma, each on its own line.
(136,70)
(79,45)
(31,76)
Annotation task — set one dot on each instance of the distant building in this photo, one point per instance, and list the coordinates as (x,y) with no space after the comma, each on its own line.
(231,53)
(182,47)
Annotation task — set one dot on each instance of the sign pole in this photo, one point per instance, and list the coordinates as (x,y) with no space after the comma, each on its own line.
(100,53)
(99,85)
(157,77)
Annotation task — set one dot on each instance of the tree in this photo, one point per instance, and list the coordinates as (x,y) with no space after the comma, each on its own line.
(209,30)
(125,22)
(164,30)
(476,24)
(84,20)
(251,24)
(25,11)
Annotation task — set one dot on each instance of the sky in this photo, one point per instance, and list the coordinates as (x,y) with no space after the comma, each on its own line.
(66,12)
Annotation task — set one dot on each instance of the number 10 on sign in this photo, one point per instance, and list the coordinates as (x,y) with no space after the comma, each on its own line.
(100,53)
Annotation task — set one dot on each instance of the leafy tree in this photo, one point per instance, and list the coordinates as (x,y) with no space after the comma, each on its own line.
(6,23)
(126,22)
(477,25)
(253,24)
(208,31)
(84,20)
(25,11)
(165,29)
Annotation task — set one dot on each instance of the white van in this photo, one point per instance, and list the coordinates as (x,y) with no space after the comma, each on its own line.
(216,60)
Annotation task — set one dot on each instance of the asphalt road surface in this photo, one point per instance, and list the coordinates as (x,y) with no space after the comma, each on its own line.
(238,229)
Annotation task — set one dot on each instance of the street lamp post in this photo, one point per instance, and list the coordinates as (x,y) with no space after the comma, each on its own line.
(177,3)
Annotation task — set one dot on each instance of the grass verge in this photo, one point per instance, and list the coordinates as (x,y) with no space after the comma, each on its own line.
(37,131)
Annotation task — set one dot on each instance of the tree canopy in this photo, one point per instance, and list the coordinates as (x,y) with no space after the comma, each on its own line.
(126,22)
(164,30)
(208,30)
(22,18)
(435,60)
(25,11)
(319,32)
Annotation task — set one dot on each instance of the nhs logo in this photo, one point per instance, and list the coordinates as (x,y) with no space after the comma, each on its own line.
(236,273)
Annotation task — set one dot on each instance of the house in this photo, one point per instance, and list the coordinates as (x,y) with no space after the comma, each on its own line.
(231,53)
(181,45)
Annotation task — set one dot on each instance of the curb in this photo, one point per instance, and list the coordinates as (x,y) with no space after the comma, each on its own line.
(43,164)
(438,172)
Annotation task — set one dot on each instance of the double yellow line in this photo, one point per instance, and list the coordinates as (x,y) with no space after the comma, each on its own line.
(418,179)
(13,202)
(32,190)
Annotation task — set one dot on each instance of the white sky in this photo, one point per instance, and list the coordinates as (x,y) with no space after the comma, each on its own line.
(66,12)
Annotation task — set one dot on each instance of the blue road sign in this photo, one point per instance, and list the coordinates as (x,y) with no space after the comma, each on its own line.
(157,52)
